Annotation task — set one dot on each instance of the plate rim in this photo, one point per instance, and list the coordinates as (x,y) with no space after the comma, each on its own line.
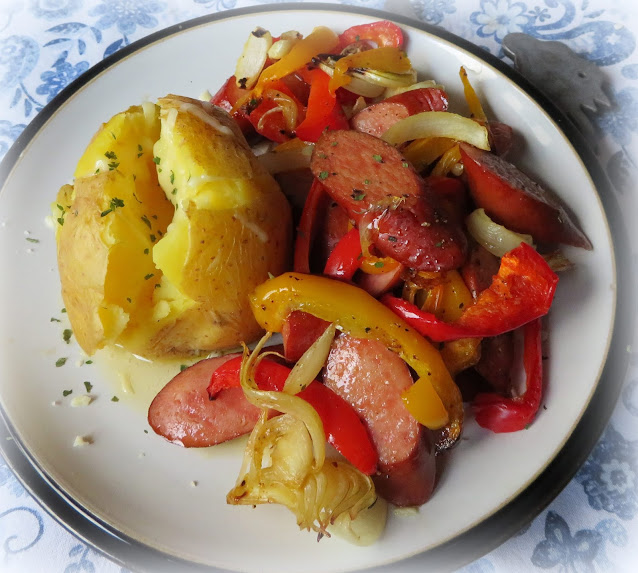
(505,521)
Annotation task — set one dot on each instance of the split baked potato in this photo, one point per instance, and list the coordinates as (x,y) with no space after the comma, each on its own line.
(170,224)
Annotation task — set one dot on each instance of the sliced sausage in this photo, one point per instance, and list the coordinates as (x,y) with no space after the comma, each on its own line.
(452,194)
(183,413)
(500,137)
(479,269)
(515,201)
(377,118)
(360,171)
(368,177)
(497,361)
(371,378)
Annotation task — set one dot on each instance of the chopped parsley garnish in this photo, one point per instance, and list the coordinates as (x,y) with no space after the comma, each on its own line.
(60,219)
(60,362)
(157,160)
(378,264)
(88,362)
(153,238)
(114,204)
(32,240)
(146,221)
(115,399)
(392,239)
(140,150)
(174,191)
(63,311)
(358,195)
(377,158)
(53,319)
(366,181)
(323,175)
(113,164)
(334,144)
(66,335)
(172,178)
(88,386)
(146,251)
(65,393)
(182,367)
(405,164)
(149,276)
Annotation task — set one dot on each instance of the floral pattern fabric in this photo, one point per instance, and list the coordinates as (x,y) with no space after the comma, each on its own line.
(592,526)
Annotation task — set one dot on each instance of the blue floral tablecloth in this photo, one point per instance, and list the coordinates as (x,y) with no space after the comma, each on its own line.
(593,524)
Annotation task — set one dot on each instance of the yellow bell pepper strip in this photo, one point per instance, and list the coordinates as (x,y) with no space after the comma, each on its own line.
(448,297)
(473,102)
(423,152)
(320,40)
(448,160)
(386,59)
(434,399)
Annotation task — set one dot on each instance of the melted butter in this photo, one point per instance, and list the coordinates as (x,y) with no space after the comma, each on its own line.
(135,380)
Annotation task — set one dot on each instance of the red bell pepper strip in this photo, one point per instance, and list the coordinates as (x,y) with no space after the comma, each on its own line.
(227,97)
(383,33)
(307,228)
(344,260)
(323,112)
(299,332)
(522,290)
(341,424)
(270,116)
(501,414)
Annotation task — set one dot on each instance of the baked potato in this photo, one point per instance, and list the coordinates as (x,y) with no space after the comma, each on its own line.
(170,224)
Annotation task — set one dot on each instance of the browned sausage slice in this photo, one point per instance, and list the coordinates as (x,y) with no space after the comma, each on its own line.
(183,413)
(514,200)
(479,269)
(371,378)
(497,361)
(377,118)
(500,137)
(369,177)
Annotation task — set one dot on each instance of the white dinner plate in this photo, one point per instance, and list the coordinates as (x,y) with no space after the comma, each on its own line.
(145,501)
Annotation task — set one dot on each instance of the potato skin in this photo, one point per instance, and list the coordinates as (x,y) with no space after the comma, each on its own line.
(160,287)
